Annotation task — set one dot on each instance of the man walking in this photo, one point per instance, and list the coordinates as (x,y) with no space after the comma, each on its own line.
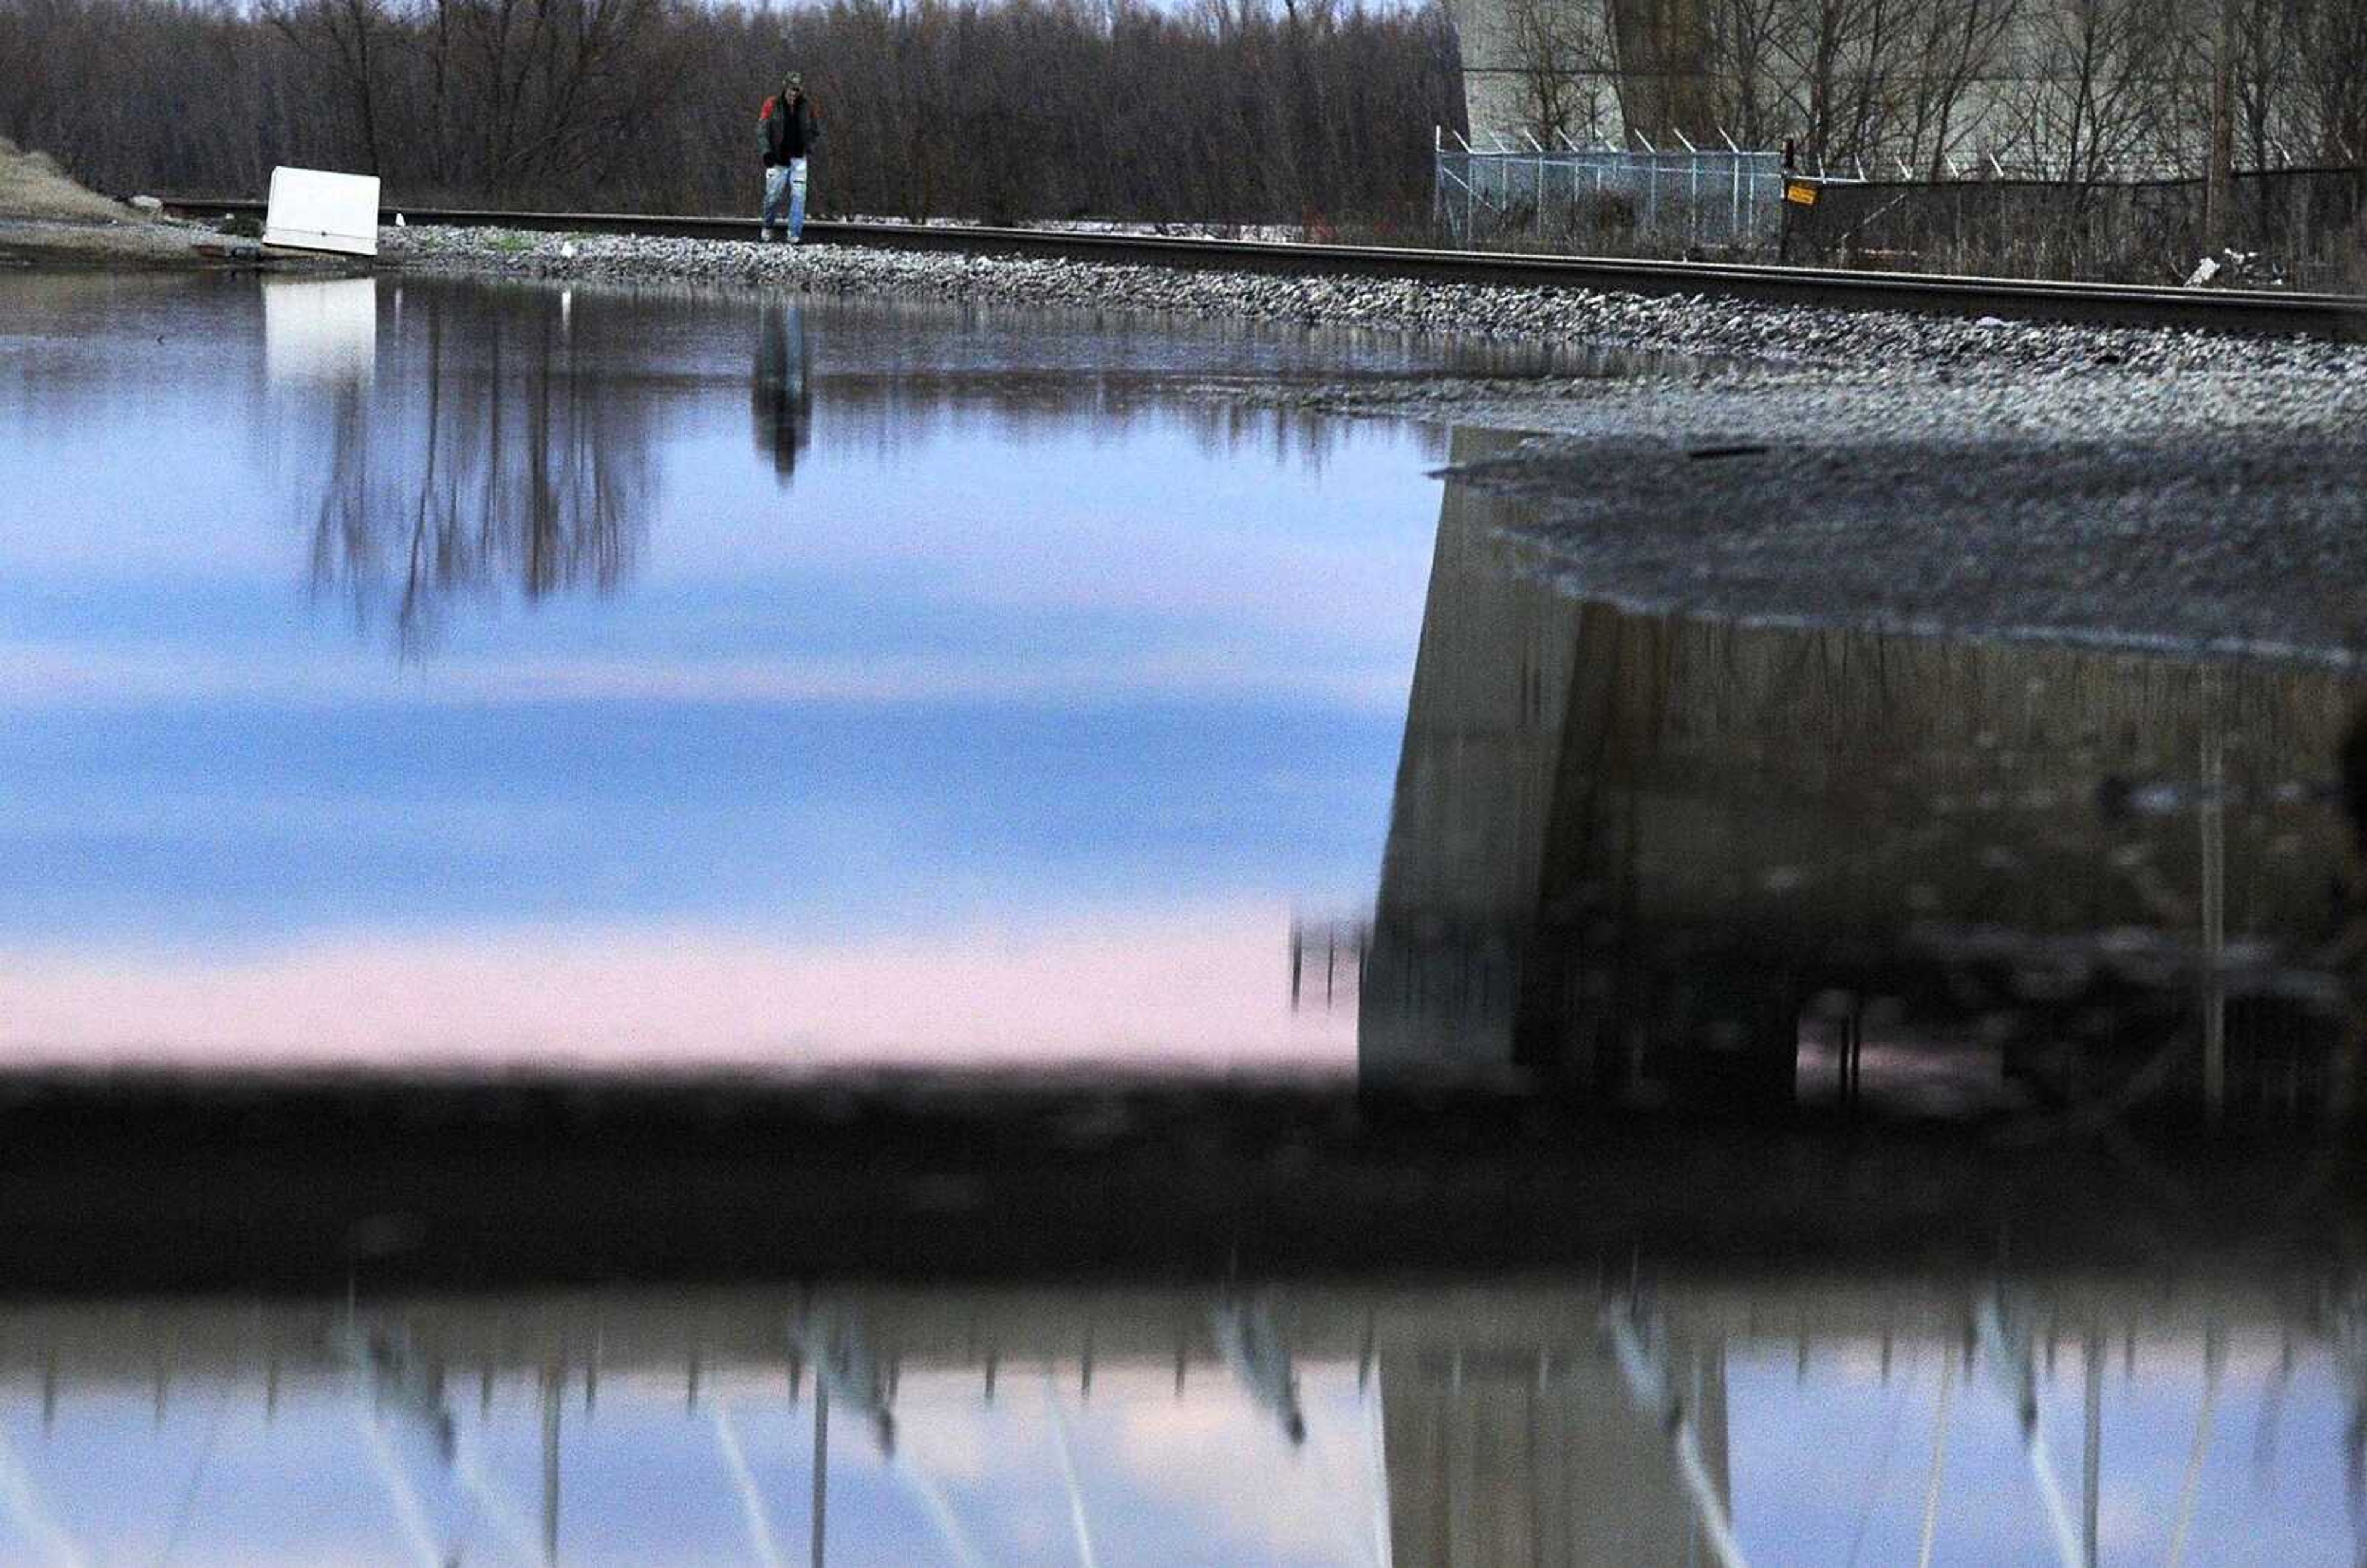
(785,132)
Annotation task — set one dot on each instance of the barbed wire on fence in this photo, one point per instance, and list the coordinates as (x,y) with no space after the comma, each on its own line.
(1658,197)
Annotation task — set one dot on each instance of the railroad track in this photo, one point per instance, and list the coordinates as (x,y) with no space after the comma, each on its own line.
(2313,315)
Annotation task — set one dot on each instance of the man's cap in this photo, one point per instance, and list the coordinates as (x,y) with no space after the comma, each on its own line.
(793,81)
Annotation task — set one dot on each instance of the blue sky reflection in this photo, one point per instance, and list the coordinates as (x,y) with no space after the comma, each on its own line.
(476,621)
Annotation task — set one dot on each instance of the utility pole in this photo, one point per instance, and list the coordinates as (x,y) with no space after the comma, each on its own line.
(2219,177)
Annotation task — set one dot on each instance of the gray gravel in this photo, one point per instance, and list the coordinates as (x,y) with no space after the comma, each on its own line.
(2252,544)
(2277,389)
(1700,326)
(2142,488)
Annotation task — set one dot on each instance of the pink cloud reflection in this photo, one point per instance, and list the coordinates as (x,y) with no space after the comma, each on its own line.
(1201,989)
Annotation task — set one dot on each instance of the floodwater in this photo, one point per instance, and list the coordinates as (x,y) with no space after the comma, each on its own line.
(1702,1423)
(404,672)
(414,674)
(412,671)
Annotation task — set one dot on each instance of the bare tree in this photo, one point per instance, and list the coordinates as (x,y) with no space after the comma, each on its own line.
(1248,112)
(1745,54)
(2086,105)
(1663,52)
(1961,45)
(527,90)
(348,40)
(1560,50)
(2330,78)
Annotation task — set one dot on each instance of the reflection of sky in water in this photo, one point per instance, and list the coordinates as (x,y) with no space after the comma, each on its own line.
(1026,669)
(1827,1454)
(649,1477)
(1833,1465)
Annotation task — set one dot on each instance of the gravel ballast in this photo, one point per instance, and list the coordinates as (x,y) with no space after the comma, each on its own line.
(1690,324)
(2247,545)
(2121,486)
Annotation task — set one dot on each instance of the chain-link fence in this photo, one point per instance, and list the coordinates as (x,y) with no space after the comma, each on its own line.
(2307,228)
(1607,199)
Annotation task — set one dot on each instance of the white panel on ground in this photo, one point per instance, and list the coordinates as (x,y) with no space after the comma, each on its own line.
(313,210)
(319,330)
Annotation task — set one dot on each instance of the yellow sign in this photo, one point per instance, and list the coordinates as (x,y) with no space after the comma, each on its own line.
(1806,195)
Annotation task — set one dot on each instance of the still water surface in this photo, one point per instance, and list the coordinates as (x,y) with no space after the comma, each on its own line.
(402,670)
(399,671)
(1511,1425)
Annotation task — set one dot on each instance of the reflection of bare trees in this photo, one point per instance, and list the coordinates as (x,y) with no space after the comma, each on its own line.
(782,396)
(500,456)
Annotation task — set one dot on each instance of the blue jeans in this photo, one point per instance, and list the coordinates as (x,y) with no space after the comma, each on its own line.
(785,186)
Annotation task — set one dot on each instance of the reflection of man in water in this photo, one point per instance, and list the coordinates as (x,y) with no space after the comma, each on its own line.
(783,403)
(845,1367)
(1254,1346)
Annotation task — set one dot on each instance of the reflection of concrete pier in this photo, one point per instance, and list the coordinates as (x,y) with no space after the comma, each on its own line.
(1460,876)
(1626,848)
(1500,1461)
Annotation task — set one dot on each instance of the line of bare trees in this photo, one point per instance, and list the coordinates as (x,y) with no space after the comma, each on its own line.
(2077,90)
(1235,110)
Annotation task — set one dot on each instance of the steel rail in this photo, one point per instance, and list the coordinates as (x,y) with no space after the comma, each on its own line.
(2097,304)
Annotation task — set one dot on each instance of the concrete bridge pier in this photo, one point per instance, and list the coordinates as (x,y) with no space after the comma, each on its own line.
(1515,818)
(1526,66)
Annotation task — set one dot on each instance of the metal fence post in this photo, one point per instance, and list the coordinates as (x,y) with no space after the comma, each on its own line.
(1693,188)
(1468,174)
(1540,195)
(1734,207)
(1437,174)
(1651,181)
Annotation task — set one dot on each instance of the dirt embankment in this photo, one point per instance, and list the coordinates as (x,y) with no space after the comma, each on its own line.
(45,218)
(33,186)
